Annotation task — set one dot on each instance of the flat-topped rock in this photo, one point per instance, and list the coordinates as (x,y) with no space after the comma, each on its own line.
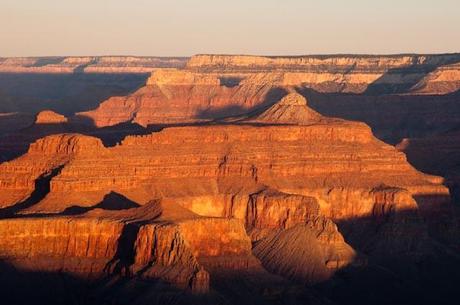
(50,117)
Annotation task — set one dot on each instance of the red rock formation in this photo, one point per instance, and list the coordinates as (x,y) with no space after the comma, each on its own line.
(50,117)
(213,203)
(19,177)
(439,154)
(219,159)
(167,243)
(325,168)
(214,87)
(289,110)
(174,96)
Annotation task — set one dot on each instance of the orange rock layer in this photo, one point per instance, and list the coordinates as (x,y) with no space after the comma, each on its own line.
(199,196)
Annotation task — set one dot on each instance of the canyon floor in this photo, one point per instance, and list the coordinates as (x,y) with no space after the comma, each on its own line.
(221,179)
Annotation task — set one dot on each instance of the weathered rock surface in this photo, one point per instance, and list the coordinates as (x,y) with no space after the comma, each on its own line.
(307,252)
(252,192)
(149,241)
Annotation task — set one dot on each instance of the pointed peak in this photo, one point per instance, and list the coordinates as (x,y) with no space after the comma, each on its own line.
(291,109)
(293,99)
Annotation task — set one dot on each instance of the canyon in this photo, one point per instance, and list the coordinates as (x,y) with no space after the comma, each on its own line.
(220,179)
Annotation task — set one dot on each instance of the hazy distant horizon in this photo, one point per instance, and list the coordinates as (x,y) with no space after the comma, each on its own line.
(222,54)
(183,28)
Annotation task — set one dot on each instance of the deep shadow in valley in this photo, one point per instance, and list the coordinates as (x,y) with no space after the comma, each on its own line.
(63,93)
(391,117)
(408,259)
(22,286)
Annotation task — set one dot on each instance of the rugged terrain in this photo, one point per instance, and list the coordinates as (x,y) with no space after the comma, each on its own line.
(226,181)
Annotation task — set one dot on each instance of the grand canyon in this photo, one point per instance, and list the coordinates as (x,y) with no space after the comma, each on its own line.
(230,179)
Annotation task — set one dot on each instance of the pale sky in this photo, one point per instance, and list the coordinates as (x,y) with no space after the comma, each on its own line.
(266,27)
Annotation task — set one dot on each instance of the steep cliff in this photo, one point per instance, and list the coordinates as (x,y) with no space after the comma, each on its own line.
(156,241)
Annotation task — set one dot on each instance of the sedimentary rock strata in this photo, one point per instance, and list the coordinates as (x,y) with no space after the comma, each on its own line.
(177,97)
(236,188)
(215,170)
(215,87)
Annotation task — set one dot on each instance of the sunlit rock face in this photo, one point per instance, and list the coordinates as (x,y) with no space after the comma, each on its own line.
(179,96)
(50,117)
(236,192)
(268,177)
